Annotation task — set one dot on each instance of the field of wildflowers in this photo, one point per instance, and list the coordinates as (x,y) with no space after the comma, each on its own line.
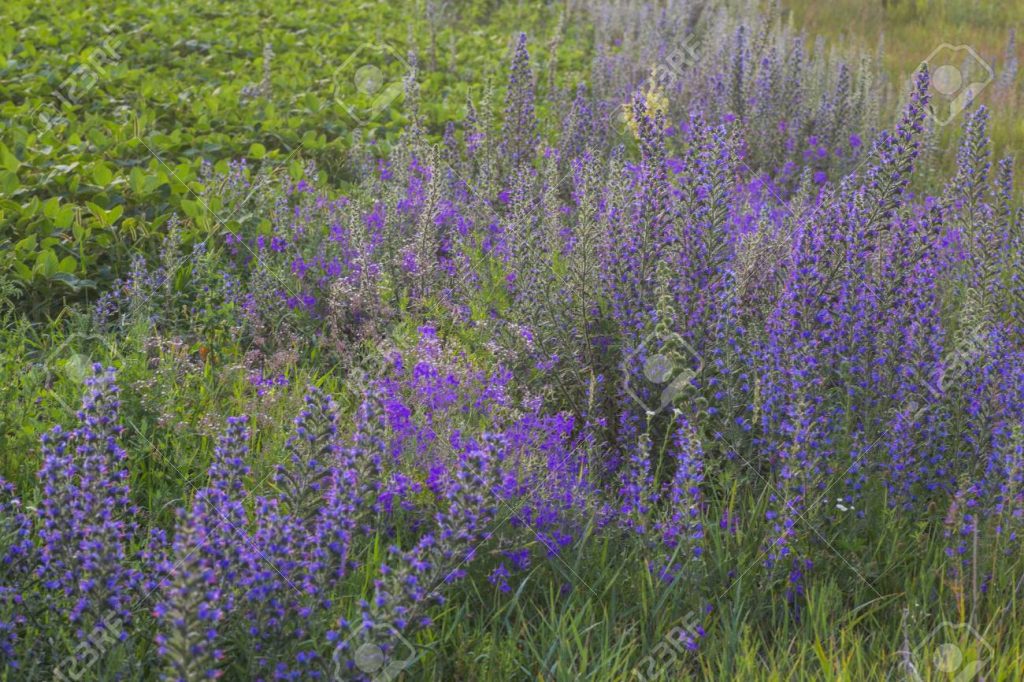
(585,340)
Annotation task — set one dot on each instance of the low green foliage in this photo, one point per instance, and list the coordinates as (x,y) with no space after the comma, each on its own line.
(106,116)
(162,88)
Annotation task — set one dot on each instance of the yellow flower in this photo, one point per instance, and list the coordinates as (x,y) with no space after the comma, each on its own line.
(654,100)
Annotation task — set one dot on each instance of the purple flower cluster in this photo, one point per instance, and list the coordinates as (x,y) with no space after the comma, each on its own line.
(87,518)
(744,293)
(17,556)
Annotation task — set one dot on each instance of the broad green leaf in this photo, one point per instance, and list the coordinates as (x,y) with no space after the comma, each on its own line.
(25,245)
(47,263)
(72,281)
(101,175)
(9,182)
(114,213)
(8,160)
(191,208)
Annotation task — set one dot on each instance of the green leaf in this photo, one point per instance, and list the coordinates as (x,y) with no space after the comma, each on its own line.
(9,182)
(22,271)
(98,212)
(137,180)
(72,281)
(101,175)
(50,207)
(47,263)
(25,245)
(191,208)
(257,151)
(114,213)
(7,159)
(64,216)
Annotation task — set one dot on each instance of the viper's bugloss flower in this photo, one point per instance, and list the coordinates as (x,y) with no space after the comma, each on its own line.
(87,518)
